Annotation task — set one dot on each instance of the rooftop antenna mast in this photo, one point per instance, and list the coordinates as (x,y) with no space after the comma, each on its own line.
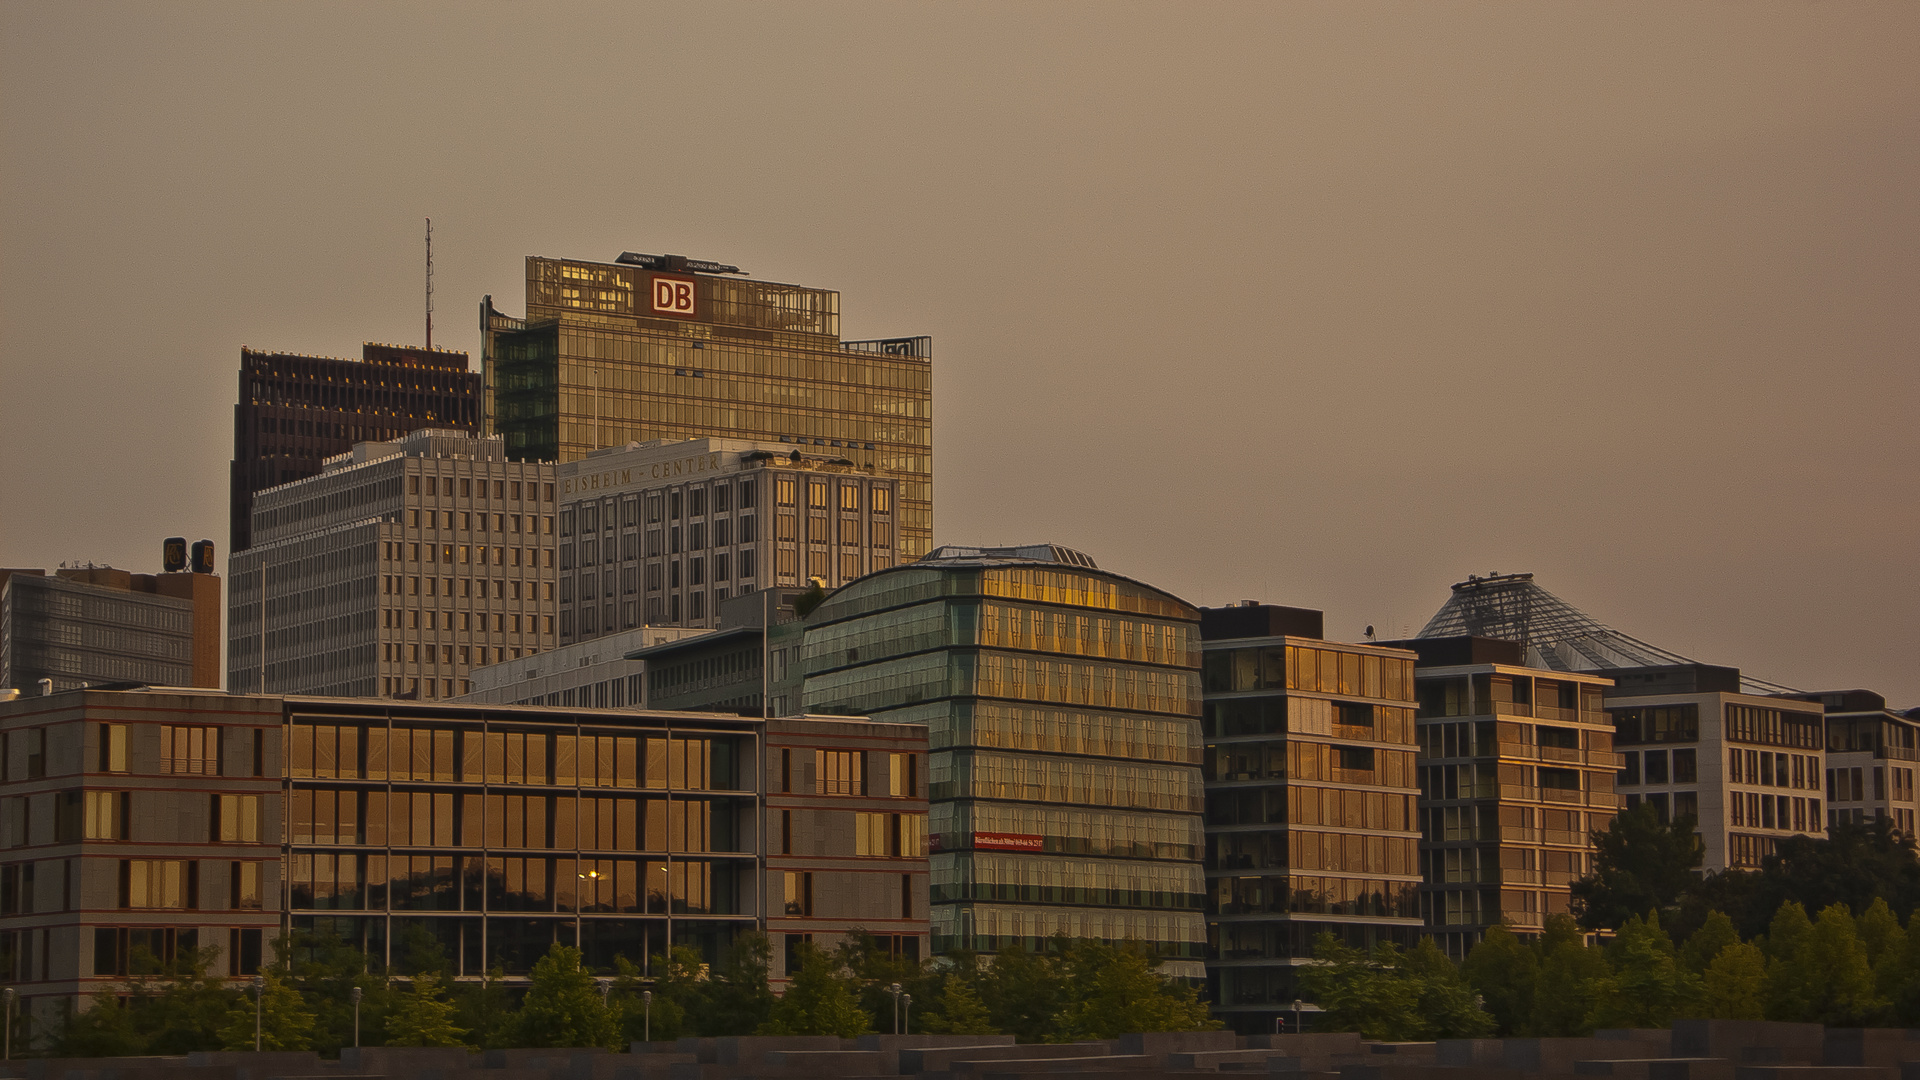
(429,284)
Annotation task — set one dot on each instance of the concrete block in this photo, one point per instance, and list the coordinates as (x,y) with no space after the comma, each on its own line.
(924,1042)
(1008,1069)
(1213,1060)
(1658,1068)
(1470,1053)
(1814,1072)
(1308,1044)
(1871,1046)
(1176,1042)
(405,1060)
(1726,1038)
(748,1050)
(832,1063)
(949,1058)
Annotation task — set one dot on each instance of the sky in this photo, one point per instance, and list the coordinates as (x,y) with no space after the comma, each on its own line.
(1328,305)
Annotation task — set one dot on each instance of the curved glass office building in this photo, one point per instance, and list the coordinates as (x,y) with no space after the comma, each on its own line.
(1063,712)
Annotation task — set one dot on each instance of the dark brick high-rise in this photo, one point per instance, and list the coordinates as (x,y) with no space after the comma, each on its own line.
(296,411)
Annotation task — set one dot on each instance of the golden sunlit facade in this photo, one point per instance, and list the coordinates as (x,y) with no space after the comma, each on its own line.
(609,354)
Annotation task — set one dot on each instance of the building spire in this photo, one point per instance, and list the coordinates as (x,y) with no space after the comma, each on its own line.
(429,284)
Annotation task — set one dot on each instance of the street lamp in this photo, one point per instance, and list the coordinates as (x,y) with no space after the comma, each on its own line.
(354,996)
(1296,1016)
(8,1020)
(894,989)
(907,1001)
(646,1031)
(259,994)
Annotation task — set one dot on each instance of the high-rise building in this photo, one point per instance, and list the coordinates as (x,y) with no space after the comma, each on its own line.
(294,412)
(662,534)
(1869,761)
(395,572)
(1062,703)
(1516,772)
(94,624)
(661,347)
(1748,767)
(1311,792)
(170,819)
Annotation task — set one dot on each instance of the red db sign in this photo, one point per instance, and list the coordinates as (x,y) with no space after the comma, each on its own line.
(673,296)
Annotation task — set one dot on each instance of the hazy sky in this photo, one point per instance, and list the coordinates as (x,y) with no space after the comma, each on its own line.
(1327,305)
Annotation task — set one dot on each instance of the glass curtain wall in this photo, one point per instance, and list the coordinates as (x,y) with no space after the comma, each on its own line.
(1063,710)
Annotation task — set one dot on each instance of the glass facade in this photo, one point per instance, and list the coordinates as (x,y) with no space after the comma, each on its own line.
(1517,770)
(1062,705)
(75,633)
(1311,816)
(498,838)
(596,362)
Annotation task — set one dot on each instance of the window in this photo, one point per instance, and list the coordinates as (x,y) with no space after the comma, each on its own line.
(16,893)
(1685,767)
(236,819)
(882,499)
(244,887)
(1356,758)
(1630,766)
(748,534)
(192,750)
(837,772)
(1686,804)
(870,834)
(1560,779)
(107,815)
(799,893)
(113,748)
(903,779)
(817,494)
(1656,766)
(159,883)
(849,496)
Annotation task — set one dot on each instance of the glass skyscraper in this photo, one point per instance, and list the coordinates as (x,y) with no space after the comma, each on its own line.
(1063,713)
(651,348)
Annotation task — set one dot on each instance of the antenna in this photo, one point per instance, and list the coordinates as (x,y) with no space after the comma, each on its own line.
(429,284)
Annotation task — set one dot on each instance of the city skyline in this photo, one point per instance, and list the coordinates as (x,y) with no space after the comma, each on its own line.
(1333,313)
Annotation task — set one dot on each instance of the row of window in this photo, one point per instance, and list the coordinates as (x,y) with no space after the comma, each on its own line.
(467,555)
(448,755)
(467,521)
(1302,804)
(1296,667)
(471,489)
(467,819)
(1314,895)
(357,881)
(1298,760)
(1062,830)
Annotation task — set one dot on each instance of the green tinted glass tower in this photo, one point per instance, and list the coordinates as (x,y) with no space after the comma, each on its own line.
(1063,707)
(661,347)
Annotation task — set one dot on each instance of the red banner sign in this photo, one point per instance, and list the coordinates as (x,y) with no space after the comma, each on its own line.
(1000,841)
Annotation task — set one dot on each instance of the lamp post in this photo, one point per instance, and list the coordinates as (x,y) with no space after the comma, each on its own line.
(354,995)
(8,1020)
(259,995)
(1296,1016)
(894,989)
(646,1030)
(906,1000)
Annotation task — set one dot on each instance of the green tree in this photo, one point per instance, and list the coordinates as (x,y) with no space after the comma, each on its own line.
(285,1022)
(1024,991)
(1393,994)
(873,967)
(1648,987)
(735,998)
(178,1006)
(957,1010)
(326,969)
(1852,865)
(1505,971)
(105,1029)
(1819,971)
(424,1017)
(1735,984)
(1715,934)
(668,1019)
(563,1007)
(484,1009)
(1880,931)
(1640,864)
(1570,978)
(1117,990)
(819,1000)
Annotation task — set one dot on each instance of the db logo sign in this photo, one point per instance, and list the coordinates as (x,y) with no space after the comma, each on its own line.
(673,296)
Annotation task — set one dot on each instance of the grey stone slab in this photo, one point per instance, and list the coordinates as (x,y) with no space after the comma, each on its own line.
(926,1042)
(948,1058)
(1176,1042)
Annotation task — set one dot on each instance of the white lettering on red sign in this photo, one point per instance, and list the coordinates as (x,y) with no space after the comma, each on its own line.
(673,296)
